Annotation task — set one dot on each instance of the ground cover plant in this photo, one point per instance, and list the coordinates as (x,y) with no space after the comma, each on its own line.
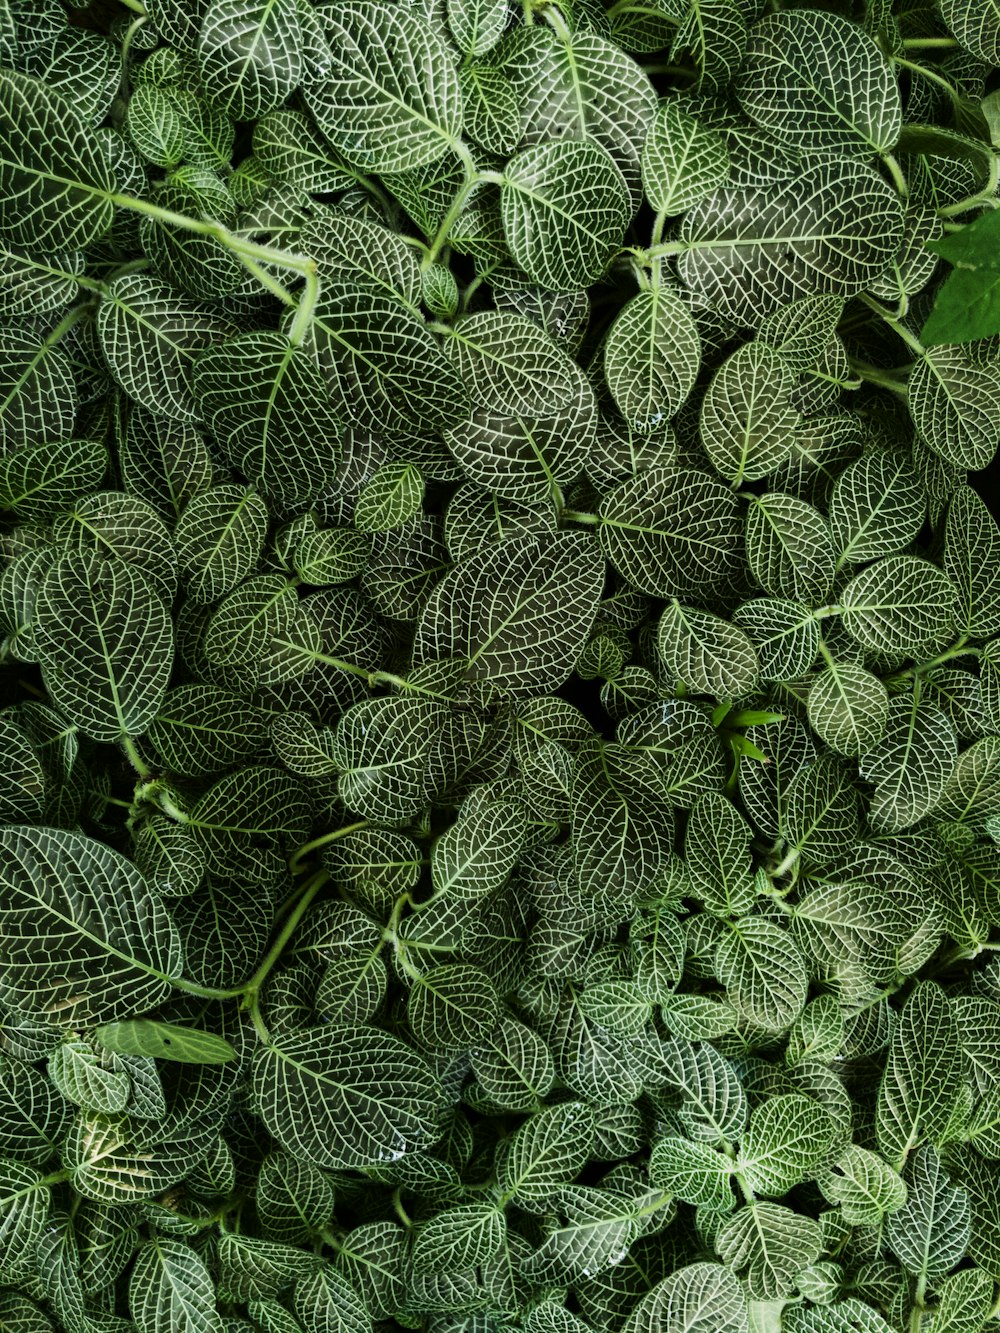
(500,728)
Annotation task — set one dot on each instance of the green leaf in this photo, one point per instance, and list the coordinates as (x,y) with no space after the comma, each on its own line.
(461,1237)
(865,1187)
(693,1172)
(708,654)
(842,87)
(789,548)
(383,369)
(519,612)
(170,1287)
(717,850)
(33,1114)
(25,1201)
(545,1151)
(922,1075)
(834,229)
(929,1234)
(788,1138)
(954,402)
(452,1007)
(565,208)
(151,336)
(38,397)
(110,946)
(476,25)
(326,1302)
(747,418)
(76,1070)
(672,533)
(219,538)
(784,634)
(38,482)
(682,160)
(848,708)
(972,562)
(697,1298)
(899,604)
(54,178)
(976,25)
(764,971)
(267,403)
(391,99)
(769,1245)
(820,815)
(651,357)
(105,642)
(877,507)
(971,789)
(910,765)
(390,499)
(345,1096)
(249,55)
(513,1066)
(165,1041)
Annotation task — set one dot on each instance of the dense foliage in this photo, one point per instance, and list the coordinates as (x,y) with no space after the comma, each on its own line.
(500,735)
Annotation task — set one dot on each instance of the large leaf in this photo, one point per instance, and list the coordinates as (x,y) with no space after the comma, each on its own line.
(249,54)
(651,357)
(921,1079)
(267,402)
(170,1287)
(748,420)
(55,181)
(955,403)
(770,1245)
(518,613)
(833,229)
(391,99)
(930,1232)
(706,653)
(682,160)
(565,209)
(899,605)
(671,533)
(109,946)
(383,369)
(151,336)
(346,1096)
(105,641)
(842,88)
(698,1298)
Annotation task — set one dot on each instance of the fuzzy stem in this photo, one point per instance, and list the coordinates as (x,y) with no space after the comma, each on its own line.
(136,759)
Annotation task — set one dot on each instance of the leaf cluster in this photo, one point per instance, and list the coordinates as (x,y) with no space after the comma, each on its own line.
(500,666)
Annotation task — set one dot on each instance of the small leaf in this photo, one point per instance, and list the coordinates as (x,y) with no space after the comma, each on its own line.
(165,1041)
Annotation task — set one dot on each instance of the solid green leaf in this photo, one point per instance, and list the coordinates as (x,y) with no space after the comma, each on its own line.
(165,1041)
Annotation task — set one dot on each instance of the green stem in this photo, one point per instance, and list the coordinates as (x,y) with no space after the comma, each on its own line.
(576,516)
(257,1019)
(984,196)
(914,344)
(312,887)
(881,378)
(295,864)
(896,172)
(249,253)
(135,6)
(136,759)
(449,220)
(930,44)
(930,76)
